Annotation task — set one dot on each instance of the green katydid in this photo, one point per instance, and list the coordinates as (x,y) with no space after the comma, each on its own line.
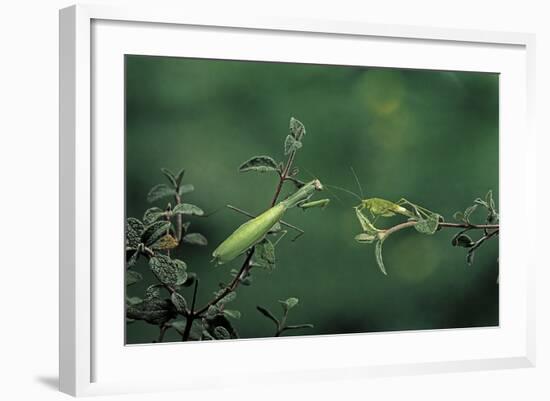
(423,220)
(254,230)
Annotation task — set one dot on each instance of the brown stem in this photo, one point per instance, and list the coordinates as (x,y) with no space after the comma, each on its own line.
(191,315)
(179,218)
(231,287)
(468,225)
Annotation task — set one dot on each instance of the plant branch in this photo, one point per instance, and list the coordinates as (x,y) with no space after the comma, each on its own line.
(191,314)
(231,287)
(470,226)
(179,217)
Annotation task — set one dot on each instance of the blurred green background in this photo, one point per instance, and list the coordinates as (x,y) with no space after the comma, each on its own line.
(428,136)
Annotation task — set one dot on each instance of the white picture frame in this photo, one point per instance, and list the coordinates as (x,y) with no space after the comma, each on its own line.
(95,361)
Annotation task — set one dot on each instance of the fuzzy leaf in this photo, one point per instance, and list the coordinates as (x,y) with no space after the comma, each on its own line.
(195,239)
(264,256)
(170,176)
(186,188)
(228,298)
(169,271)
(212,312)
(165,242)
(152,214)
(470,257)
(134,256)
(462,240)
(429,225)
(291,144)
(152,310)
(134,229)
(261,164)
(296,128)
(299,326)
(234,314)
(468,212)
(188,209)
(132,277)
(160,191)
(365,238)
(378,255)
(179,177)
(152,292)
(267,313)
(221,333)
(459,216)
(289,303)
(154,232)
(133,301)
(179,302)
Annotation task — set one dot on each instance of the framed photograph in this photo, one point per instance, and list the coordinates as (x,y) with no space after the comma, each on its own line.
(310,200)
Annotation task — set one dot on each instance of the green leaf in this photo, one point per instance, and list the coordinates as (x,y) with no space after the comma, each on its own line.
(179,325)
(234,314)
(267,313)
(179,302)
(132,277)
(429,225)
(179,177)
(168,174)
(212,312)
(134,229)
(154,311)
(186,188)
(188,209)
(264,255)
(297,129)
(169,271)
(165,242)
(468,212)
(154,232)
(191,277)
(221,333)
(195,239)
(378,255)
(462,240)
(228,298)
(133,301)
(291,144)
(289,304)
(470,257)
(459,216)
(365,238)
(134,256)
(160,191)
(299,326)
(152,292)
(152,214)
(261,164)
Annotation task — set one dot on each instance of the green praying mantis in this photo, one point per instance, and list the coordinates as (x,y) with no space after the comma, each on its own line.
(254,231)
